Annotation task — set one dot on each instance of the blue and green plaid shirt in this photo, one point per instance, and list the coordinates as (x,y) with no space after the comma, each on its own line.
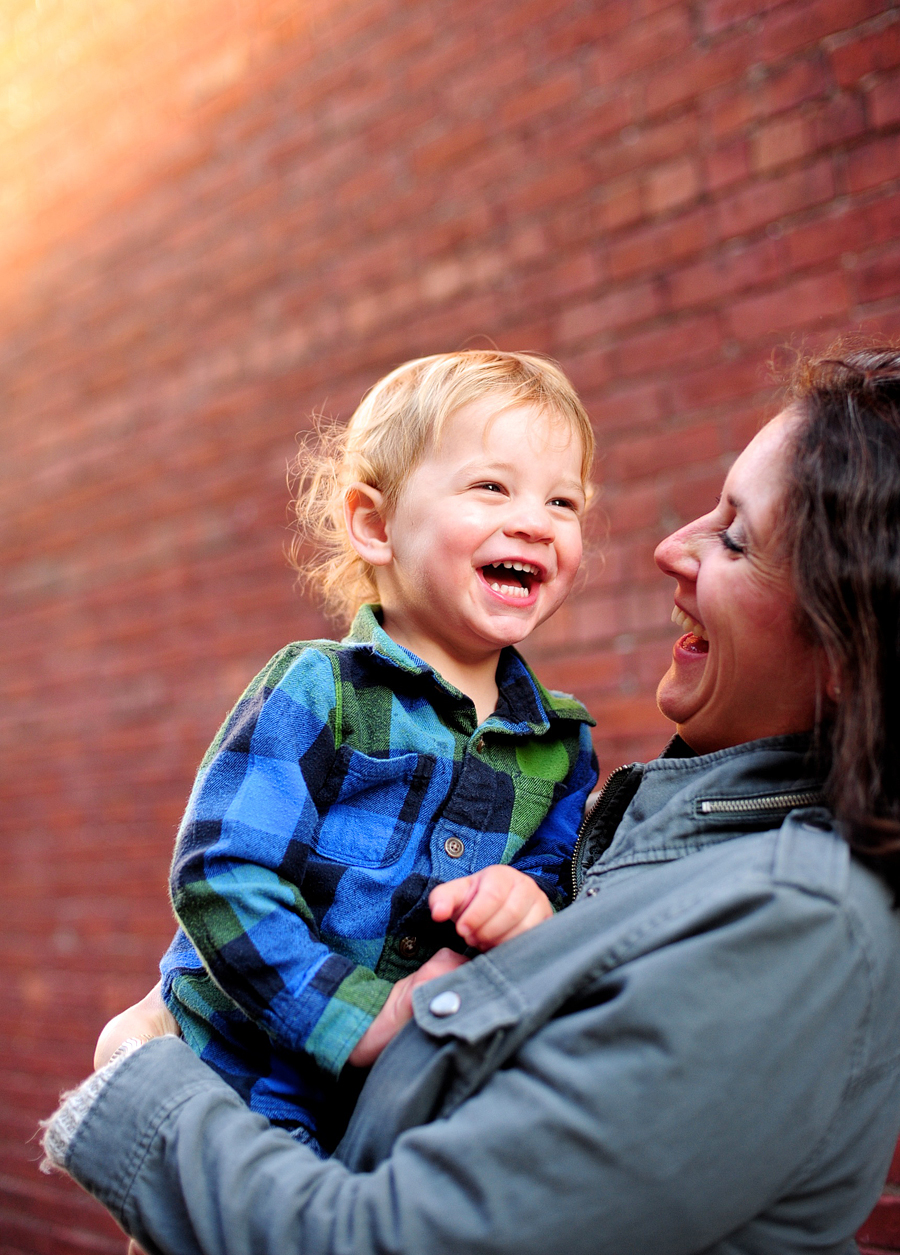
(349,780)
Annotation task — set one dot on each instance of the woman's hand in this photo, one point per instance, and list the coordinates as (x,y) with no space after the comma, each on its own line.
(397,1010)
(490,906)
(148,1018)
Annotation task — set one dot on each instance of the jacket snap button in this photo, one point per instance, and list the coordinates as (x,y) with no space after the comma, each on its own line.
(480,746)
(408,946)
(447,1003)
(589,893)
(454,847)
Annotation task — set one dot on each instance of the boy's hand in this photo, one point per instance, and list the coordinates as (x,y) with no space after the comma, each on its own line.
(148,1018)
(397,1010)
(490,906)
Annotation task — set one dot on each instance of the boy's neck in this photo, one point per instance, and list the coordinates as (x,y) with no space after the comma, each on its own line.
(476,678)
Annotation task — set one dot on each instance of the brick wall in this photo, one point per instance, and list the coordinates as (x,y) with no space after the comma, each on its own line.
(216,219)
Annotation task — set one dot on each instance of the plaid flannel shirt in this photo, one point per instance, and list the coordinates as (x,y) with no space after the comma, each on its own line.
(349,780)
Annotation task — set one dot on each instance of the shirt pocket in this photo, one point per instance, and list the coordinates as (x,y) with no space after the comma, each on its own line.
(374,808)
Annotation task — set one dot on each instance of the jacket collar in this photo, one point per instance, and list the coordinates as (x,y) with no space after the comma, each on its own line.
(683,803)
(525,707)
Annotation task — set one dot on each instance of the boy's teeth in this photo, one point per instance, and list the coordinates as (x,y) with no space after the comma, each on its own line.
(511,590)
(682,620)
(519,566)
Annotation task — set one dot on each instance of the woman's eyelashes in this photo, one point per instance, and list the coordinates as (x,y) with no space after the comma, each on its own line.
(730,543)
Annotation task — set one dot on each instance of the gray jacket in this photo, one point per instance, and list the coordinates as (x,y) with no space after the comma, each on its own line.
(700,1055)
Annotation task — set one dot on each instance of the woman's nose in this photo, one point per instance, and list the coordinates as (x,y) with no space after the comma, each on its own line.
(676,555)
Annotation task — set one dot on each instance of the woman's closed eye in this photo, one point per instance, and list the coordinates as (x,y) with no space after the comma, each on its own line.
(732,545)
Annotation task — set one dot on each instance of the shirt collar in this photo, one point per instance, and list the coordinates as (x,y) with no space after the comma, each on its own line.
(524,706)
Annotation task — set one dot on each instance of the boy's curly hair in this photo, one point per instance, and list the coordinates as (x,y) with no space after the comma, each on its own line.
(395,424)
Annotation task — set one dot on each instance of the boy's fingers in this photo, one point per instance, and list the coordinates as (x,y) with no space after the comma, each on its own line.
(492,920)
(449,900)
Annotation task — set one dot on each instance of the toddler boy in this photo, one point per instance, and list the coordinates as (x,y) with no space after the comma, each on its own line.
(365,796)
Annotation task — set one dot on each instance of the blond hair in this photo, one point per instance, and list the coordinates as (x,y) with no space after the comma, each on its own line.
(393,427)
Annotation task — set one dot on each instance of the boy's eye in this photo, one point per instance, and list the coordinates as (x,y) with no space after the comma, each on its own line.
(489,486)
(564,503)
(729,542)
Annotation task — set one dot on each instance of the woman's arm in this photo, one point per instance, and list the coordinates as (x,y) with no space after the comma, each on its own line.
(681,1095)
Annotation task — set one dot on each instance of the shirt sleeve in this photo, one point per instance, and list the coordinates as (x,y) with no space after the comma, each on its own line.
(240,859)
(546,857)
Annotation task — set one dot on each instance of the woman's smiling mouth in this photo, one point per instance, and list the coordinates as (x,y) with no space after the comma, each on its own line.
(512,578)
(695,640)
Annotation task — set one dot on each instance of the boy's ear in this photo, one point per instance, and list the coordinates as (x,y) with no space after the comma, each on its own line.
(364,520)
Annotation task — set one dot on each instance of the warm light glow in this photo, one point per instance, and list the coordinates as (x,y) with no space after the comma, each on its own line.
(95,95)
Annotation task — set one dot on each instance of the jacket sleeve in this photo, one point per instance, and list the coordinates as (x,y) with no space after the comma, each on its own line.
(680,1096)
(547,855)
(240,858)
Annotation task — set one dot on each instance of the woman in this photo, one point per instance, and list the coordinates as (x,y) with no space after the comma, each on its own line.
(701,1054)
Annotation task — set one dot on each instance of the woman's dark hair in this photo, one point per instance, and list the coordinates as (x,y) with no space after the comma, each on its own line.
(843,531)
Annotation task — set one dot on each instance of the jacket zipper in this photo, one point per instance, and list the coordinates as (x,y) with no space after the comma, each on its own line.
(767,802)
(606,795)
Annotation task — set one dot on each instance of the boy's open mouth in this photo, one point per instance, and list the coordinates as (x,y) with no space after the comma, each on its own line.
(515,579)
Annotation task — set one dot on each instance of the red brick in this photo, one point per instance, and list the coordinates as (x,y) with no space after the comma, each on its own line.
(878,49)
(659,245)
(874,163)
(894,1171)
(622,204)
(781,142)
(727,164)
(720,14)
(616,309)
(767,201)
(636,148)
(806,23)
(671,186)
(841,118)
(796,305)
(697,73)
(882,1229)
(879,277)
(728,112)
(647,455)
(883,101)
(627,406)
(537,99)
(796,83)
(732,270)
(825,239)
(718,384)
(642,45)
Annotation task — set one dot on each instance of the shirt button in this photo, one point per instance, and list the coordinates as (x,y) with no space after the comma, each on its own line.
(454,847)
(447,1003)
(408,946)
(480,746)
(589,893)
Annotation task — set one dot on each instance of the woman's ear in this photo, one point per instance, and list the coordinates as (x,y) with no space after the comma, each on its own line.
(364,520)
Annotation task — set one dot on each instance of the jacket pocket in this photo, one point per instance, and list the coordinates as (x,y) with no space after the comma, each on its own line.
(373,808)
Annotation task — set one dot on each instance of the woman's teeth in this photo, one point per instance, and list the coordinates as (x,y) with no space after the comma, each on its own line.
(684,621)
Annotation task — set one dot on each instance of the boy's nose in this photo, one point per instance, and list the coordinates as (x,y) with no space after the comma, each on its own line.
(531,520)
